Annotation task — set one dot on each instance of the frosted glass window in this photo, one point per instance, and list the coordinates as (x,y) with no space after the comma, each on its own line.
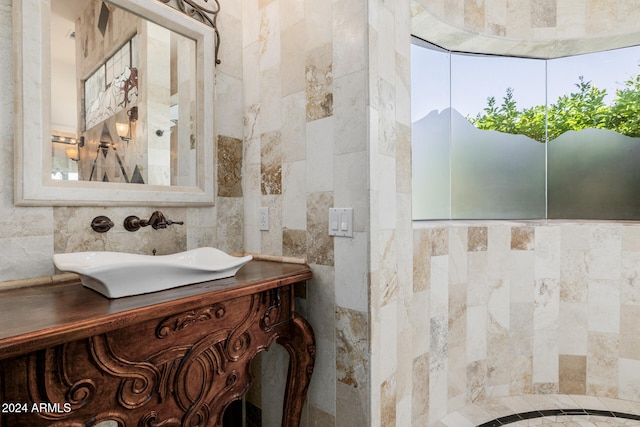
(497,173)
(430,132)
(594,130)
(514,138)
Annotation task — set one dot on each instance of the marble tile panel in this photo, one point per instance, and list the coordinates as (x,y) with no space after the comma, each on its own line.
(352,360)
(230,234)
(523,238)
(573,374)
(602,363)
(231,27)
(476,333)
(350,171)
(349,107)
(421,260)
(294,206)
(629,337)
(521,329)
(349,36)
(352,405)
(521,276)
(291,13)
(474,15)
(388,402)
(547,249)
(319,82)
(294,129)
(317,21)
(322,388)
(420,320)
(456,374)
(229,166)
(420,391)
(543,13)
(269,36)
(387,197)
(293,59)
(251,23)
(478,289)
(251,82)
(604,306)
(270,117)
(318,418)
(34,221)
(388,267)
(352,278)
(545,358)
(573,328)
(387,125)
(439,286)
(605,252)
(271,163)
(388,329)
(498,356)
(477,239)
(319,244)
(521,374)
(630,283)
(26,257)
(294,243)
(320,152)
(229,118)
(573,276)
(458,255)
(629,377)
(476,375)
(546,305)
(600,16)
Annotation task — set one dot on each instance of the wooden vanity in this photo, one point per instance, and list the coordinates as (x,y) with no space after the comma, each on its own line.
(71,357)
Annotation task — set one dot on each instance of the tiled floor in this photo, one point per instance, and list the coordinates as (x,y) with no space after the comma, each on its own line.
(576,421)
(503,410)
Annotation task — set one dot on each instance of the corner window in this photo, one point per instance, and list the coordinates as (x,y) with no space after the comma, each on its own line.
(517,138)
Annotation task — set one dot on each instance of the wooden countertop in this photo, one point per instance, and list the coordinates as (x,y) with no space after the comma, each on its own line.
(44,316)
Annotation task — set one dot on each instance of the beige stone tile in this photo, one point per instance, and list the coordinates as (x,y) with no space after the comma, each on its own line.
(573,374)
(523,238)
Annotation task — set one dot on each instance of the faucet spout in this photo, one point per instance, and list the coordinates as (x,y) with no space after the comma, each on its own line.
(156,221)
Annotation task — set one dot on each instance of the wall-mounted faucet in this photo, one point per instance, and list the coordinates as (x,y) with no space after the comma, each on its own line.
(157,221)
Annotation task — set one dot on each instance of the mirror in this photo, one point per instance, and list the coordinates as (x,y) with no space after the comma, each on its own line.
(113,104)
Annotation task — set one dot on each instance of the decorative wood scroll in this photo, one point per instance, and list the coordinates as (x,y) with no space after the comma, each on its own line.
(204,11)
(182,369)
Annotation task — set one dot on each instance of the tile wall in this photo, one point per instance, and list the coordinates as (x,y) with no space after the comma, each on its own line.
(505,309)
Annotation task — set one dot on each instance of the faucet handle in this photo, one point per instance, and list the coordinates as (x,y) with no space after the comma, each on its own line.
(170,222)
(101,224)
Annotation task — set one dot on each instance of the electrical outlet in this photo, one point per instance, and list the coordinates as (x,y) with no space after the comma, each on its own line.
(263,218)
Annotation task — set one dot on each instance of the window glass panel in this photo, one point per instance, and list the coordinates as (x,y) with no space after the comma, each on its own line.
(594,135)
(497,172)
(430,102)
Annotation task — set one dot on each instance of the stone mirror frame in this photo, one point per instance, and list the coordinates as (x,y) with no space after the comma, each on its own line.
(32,132)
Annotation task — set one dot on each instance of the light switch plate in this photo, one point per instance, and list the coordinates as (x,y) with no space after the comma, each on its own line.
(263,218)
(341,222)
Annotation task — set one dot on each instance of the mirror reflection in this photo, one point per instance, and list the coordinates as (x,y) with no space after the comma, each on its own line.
(123,97)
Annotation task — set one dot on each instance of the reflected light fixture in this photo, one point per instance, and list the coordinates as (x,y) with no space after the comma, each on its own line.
(124,129)
(73,152)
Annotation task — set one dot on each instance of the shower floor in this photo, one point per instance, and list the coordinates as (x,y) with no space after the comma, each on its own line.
(566,419)
(550,410)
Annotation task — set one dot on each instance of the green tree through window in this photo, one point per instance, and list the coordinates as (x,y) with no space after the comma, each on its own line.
(585,108)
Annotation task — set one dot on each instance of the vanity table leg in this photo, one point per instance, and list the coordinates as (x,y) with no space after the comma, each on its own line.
(300,343)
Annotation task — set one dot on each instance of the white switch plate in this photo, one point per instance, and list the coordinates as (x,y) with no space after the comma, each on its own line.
(341,222)
(263,219)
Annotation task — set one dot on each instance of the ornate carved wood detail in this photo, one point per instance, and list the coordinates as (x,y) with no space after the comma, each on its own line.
(180,370)
(180,321)
(204,11)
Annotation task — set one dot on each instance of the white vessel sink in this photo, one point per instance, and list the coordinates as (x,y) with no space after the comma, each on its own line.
(119,274)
